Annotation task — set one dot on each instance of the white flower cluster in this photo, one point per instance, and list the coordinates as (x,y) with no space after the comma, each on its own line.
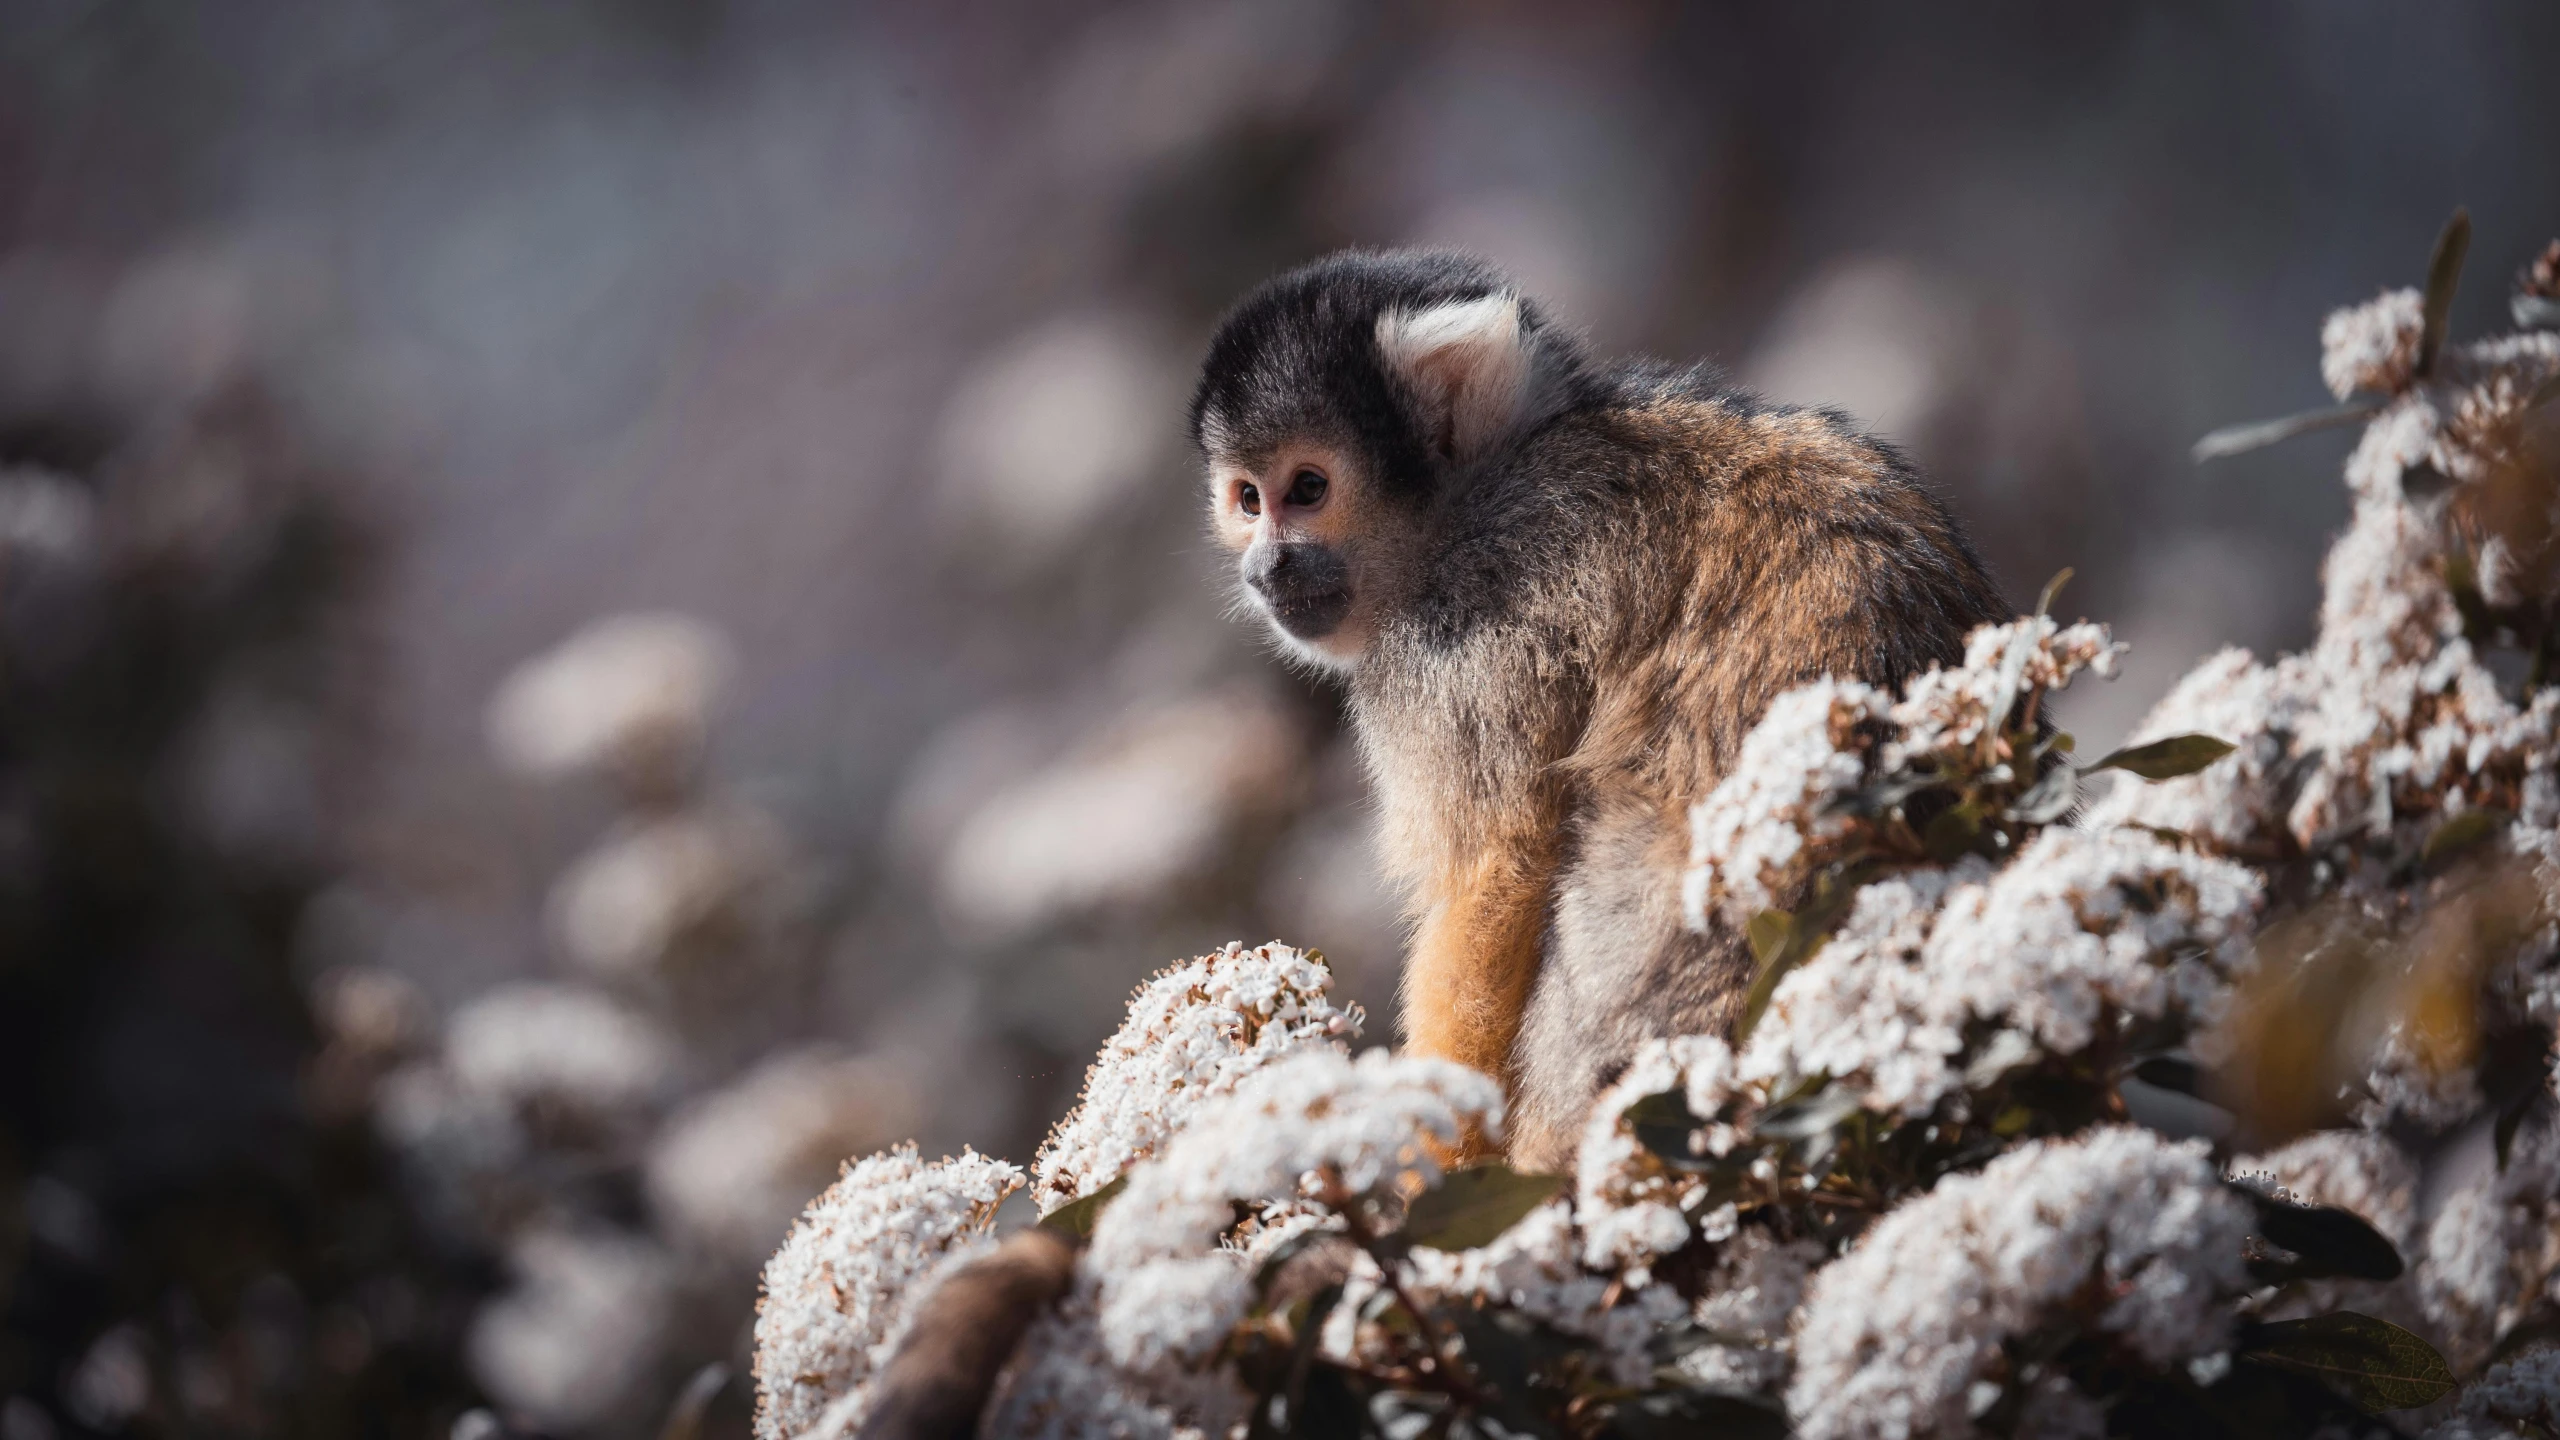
(1193,1032)
(1748,839)
(1900,1337)
(1631,1207)
(2391,720)
(1946,710)
(836,1292)
(2512,1398)
(2372,347)
(2080,926)
(1169,1292)
(1771,819)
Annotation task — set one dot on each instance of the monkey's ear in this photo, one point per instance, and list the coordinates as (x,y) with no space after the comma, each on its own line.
(1467,364)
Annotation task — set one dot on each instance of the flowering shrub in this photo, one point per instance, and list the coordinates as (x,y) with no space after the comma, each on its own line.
(2218,1103)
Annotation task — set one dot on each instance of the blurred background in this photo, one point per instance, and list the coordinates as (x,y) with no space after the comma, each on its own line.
(601,604)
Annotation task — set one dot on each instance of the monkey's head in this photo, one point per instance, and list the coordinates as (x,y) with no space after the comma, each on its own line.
(1341,407)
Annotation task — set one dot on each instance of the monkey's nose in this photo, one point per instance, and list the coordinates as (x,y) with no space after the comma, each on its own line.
(1270,569)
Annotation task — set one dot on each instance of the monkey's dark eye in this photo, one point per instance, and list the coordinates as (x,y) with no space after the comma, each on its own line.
(1307,488)
(1249,500)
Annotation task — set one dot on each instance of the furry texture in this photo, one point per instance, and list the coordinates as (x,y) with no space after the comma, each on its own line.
(1569,588)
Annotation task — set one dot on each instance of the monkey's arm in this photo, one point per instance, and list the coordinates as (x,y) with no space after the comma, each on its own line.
(1467,977)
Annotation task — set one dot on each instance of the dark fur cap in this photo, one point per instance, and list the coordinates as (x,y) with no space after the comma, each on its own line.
(1299,355)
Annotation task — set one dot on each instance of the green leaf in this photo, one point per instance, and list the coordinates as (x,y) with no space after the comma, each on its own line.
(2422,482)
(2534,312)
(2233,440)
(2053,590)
(2459,835)
(1805,932)
(2329,1241)
(2050,798)
(2171,1072)
(684,1418)
(1951,833)
(2444,274)
(2511,1118)
(1771,932)
(1697,1415)
(1662,1124)
(1076,1218)
(2166,759)
(2377,1364)
(1816,1114)
(1470,1207)
(2549,389)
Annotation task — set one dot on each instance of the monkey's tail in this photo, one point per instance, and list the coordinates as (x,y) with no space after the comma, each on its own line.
(937,1384)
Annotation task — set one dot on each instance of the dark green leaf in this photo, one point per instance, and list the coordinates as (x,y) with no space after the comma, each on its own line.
(2511,1118)
(1815,1114)
(1306,1385)
(1470,1207)
(1076,1217)
(1770,932)
(2444,274)
(1876,799)
(2258,434)
(2377,1364)
(2171,1072)
(1509,1350)
(2163,834)
(1951,833)
(2458,836)
(2052,590)
(1805,932)
(1289,1249)
(2534,312)
(2167,759)
(2549,389)
(2329,1241)
(1327,1407)
(2050,798)
(2422,482)
(1698,1415)
(684,1419)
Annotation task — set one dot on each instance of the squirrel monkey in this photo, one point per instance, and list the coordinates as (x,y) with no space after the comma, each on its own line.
(1561,589)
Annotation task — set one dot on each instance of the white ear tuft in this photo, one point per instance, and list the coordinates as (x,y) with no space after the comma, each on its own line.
(1467,363)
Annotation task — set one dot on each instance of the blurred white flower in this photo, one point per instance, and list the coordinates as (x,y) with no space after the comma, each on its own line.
(579,1330)
(44,513)
(2372,347)
(111,1383)
(1875,336)
(630,695)
(732,1169)
(834,1294)
(631,903)
(560,1045)
(1193,1033)
(2519,1396)
(1148,808)
(1052,433)
(1896,1334)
